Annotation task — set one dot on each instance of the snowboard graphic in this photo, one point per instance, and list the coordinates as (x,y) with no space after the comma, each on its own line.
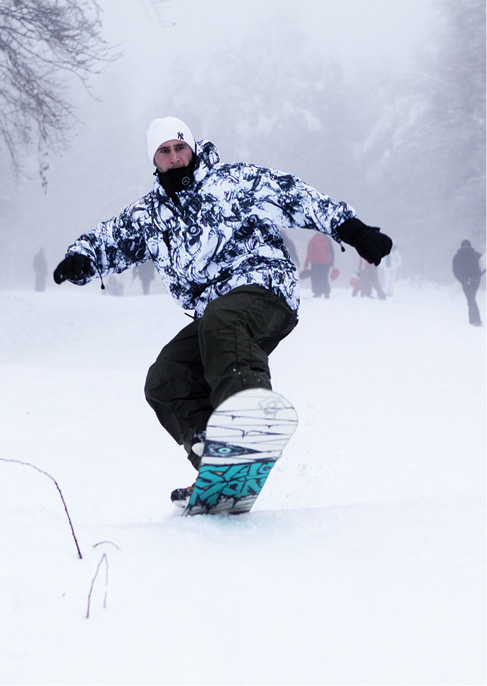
(245,436)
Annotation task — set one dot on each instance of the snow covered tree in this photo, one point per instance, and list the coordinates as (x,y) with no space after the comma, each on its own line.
(427,147)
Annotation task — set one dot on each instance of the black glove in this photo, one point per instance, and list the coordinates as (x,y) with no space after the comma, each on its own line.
(74,268)
(367,240)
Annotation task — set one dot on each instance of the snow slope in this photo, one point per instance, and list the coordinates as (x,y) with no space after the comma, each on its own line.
(363,561)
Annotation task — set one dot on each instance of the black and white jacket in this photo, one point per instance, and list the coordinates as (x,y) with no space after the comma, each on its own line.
(223,233)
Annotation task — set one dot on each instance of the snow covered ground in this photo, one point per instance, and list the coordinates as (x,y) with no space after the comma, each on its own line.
(363,561)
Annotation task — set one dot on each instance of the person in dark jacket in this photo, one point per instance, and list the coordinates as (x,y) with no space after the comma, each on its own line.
(467,270)
(212,231)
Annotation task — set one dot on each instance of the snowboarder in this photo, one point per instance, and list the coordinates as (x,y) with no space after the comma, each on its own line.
(212,231)
(466,269)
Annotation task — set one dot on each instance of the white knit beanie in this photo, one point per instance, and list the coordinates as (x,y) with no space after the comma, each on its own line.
(168,129)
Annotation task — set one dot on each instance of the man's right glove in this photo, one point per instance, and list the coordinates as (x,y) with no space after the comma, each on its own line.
(367,240)
(74,268)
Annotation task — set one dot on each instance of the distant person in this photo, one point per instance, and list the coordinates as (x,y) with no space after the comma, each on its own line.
(355,284)
(145,272)
(320,257)
(40,270)
(114,287)
(466,269)
(212,231)
(390,265)
(291,248)
(367,280)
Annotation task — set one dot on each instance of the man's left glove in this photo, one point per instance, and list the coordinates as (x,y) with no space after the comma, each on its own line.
(74,268)
(367,240)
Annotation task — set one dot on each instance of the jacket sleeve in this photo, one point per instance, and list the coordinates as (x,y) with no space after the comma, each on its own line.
(294,204)
(116,244)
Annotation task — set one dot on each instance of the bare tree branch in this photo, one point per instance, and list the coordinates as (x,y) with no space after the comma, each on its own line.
(103,559)
(28,464)
(159,7)
(42,41)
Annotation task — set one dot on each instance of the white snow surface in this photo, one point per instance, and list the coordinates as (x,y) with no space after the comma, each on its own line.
(362,562)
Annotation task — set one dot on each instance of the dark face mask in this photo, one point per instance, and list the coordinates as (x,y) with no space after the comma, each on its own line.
(177,180)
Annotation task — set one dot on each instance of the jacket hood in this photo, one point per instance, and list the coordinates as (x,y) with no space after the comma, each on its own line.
(207,156)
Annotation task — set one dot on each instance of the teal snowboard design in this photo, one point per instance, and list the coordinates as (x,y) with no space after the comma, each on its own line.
(245,436)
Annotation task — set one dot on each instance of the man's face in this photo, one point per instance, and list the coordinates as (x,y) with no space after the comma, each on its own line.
(172,155)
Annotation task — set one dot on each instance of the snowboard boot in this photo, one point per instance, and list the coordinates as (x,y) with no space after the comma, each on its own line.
(194,447)
(181,496)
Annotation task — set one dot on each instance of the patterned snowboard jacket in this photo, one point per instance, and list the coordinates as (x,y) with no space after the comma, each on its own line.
(223,233)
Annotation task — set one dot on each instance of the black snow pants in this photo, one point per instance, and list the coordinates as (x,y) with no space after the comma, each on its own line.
(217,355)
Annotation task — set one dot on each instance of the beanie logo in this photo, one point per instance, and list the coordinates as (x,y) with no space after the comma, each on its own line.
(180,136)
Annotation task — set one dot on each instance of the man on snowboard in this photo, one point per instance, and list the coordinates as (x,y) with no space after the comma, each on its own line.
(212,232)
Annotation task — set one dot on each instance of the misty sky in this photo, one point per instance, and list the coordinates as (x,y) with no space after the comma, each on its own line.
(360,34)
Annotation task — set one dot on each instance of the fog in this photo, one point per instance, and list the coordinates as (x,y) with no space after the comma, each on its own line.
(377,103)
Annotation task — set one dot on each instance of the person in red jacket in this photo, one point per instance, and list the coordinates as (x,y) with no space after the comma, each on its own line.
(320,257)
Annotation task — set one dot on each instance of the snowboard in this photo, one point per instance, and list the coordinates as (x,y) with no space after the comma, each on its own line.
(245,436)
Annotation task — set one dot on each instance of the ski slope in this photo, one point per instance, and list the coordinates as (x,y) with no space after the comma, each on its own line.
(362,562)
